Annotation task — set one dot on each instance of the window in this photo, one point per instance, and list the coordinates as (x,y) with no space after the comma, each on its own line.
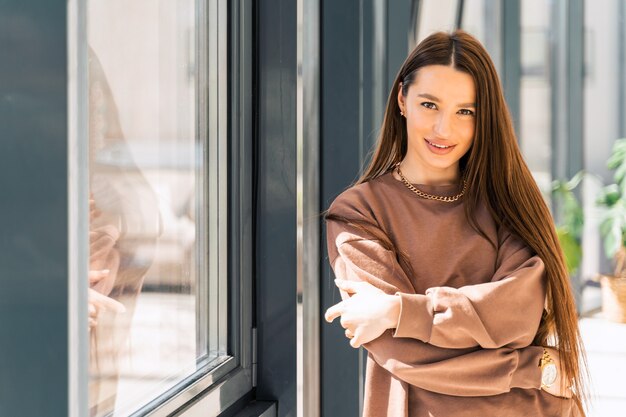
(434,16)
(165,245)
(536,92)
(604,121)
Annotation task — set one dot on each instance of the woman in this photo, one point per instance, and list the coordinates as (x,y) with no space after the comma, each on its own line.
(448,262)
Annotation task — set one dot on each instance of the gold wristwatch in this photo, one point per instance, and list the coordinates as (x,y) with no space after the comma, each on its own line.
(549,370)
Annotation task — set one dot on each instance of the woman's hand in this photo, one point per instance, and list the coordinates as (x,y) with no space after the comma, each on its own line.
(560,388)
(99,302)
(366,314)
(94,213)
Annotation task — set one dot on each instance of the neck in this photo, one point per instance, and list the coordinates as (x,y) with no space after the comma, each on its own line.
(433,176)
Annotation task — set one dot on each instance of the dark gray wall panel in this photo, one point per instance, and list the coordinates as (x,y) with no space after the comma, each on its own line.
(512,64)
(33,180)
(340,166)
(398,22)
(276,206)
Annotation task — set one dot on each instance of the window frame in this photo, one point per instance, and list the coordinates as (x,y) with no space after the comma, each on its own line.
(224,48)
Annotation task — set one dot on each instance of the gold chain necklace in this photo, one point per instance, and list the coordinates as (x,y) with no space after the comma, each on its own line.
(445,199)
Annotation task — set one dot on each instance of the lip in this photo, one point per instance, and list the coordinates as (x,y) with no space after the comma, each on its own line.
(436,150)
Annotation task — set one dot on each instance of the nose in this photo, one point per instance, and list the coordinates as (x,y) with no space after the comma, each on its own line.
(443,126)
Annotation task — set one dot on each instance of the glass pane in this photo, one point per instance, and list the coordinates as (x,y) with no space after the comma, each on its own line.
(474,14)
(535,115)
(604,112)
(147,217)
(435,15)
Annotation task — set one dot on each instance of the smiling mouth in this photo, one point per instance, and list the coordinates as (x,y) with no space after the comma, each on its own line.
(438,146)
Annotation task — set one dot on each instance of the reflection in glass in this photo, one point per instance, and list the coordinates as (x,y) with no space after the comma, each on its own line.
(145,166)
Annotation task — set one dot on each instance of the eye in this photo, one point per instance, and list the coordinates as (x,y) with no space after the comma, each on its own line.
(429,105)
(466,112)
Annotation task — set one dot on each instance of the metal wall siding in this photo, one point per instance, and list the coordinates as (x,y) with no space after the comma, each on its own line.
(33,180)
(276,256)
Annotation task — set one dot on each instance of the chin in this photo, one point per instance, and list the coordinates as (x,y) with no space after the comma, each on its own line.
(441,163)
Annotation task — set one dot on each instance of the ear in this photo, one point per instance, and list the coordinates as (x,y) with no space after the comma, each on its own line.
(401,103)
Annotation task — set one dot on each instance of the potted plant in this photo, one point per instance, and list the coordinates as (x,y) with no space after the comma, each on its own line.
(613,231)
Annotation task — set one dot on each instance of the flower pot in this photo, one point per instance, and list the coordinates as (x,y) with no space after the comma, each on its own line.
(613,298)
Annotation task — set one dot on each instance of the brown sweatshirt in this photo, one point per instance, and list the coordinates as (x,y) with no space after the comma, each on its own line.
(469,311)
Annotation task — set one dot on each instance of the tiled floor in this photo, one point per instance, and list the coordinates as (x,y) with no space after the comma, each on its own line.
(605,342)
(160,351)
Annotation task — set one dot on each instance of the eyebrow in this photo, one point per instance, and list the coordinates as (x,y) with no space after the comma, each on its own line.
(433,98)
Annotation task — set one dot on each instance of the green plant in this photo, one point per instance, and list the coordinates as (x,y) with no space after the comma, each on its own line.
(613,200)
(569,214)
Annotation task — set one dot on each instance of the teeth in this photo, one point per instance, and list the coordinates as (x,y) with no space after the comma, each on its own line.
(438,146)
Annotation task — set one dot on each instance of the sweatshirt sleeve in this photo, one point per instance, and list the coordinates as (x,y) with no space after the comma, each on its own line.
(452,372)
(357,255)
(503,312)
(474,374)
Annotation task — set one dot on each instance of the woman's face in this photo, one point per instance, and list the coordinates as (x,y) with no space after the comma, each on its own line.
(439,108)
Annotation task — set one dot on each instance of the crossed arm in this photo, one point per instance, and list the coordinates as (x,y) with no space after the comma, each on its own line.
(471,341)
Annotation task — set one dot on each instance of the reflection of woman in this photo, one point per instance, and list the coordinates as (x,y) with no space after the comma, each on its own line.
(124,224)
(462,281)
(104,262)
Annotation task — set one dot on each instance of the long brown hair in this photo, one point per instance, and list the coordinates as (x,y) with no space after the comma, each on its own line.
(498,177)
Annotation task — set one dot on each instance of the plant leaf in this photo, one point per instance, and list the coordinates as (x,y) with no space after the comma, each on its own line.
(576,179)
(571,249)
(609,195)
(613,239)
(618,154)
